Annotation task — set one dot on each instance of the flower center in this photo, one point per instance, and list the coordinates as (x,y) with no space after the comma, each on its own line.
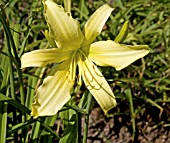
(77,57)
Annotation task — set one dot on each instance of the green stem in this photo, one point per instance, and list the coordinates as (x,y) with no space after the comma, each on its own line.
(75,108)
(129,96)
(49,129)
(87,118)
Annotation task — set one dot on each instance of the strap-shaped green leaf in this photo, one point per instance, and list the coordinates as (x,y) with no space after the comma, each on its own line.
(16,104)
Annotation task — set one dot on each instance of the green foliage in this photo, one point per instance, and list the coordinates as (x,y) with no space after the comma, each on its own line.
(142,85)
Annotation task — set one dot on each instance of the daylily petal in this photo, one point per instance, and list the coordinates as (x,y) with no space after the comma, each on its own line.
(52,95)
(94,25)
(62,27)
(40,58)
(110,53)
(97,85)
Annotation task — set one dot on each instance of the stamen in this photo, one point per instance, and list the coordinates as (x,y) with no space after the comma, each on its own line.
(89,83)
(68,77)
(95,80)
(78,79)
(97,72)
(86,77)
(56,43)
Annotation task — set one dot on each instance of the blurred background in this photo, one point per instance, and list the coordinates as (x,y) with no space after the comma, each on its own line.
(142,89)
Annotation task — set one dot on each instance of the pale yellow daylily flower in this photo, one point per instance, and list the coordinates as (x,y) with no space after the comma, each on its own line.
(74,48)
